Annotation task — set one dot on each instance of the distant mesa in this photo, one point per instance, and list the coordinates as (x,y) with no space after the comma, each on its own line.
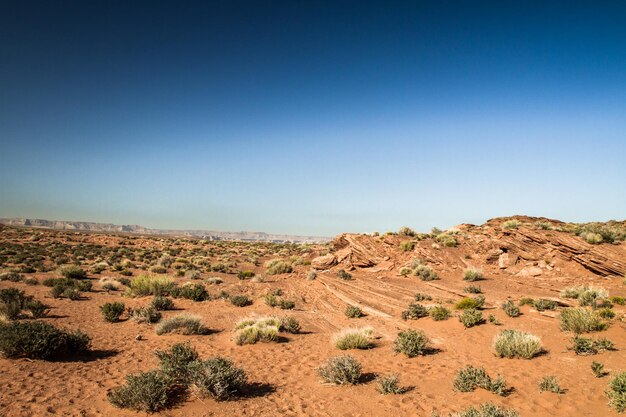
(140,230)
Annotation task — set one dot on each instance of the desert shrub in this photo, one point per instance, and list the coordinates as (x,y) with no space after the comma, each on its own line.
(287,304)
(124,281)
(618,300)
(71,294)
(580,320)
(162,303)
(12,301)
(473,289)
(438,313)
(342,274)
(147,314)
(414,312)
(194,292)
(542,304)
(290,325)
(586,296)
(214,281)
(73,272)
(36,308)
(112,311)
(146,391)
(406,231)
(39,340)
(486,410)
(605,313)
(407,245)
(511,309)
(616,391)
(511,224)
(175,362)
(157,269)
(151,285)
(470,303)
(183,324)
(359,338)
(471,317)
(340,370)
(412,343)
(277,266)
(353,312)
(311,275)
(469,378)
(216,377)
(243,275)
(389,385)
(493,319)
(109,284)
(517,344)
(550,384)
(10,276)
(259,330)
(240,300)
(422,297)
(588,346)
(472,274)
(598,369)
(447,239)
(526,301)
(543,225)
(425,273)
(404,271)
(31,281)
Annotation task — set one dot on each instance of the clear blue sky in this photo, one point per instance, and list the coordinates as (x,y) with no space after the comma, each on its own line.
(310,117)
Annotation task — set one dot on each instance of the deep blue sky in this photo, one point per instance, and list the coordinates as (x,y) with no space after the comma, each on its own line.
(312,117)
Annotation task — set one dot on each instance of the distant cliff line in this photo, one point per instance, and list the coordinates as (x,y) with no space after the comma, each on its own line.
(140,230)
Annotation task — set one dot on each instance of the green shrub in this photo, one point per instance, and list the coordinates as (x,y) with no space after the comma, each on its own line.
(71,293)
(407,245)
(340,370)
(112,311)
(414,312)
(517,344)
(469,378)
(542,304)
(162,303)
(511,309)
(261,329)
(152,285)
(243,275)
(39,340)
(473,274)
(422,297)
(175,362)
(471,317)
(12,301)
(588,346)
(287,304)
(580,320)
(426,273)
(587,296)
(470,303)
(487,410)
(353,312)
(240,301)
(389,385)
(550,384)
(618,300)
(183,324)
(290,325)
(359,338)
(406,231)
(511,224)
(36,308)
(493,319)
(156,269)
(216,377)
(438,313)
(605,313)
(598,369)
(526,301)
(195,292)
(147,314)
(10,276)
(412,343)
(616,391)
(146,391)
(342,274)
(73,272)
(473,289)
(447,240)
(277,266)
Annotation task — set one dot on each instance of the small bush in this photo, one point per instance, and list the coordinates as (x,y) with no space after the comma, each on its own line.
(342,274)
(216,377)
(360,338)
(71,293)
(426,273)
(214,281)
(112,311)
(422,297)
(517,344)
(353,312)
(183,324)
(470,378)
(542,304)
(526,301)
(471,317)
(389,385)
(290,325)
(73,272)
(414,312)
(550,384)
(340,370)
(156,269)
(240,301)
(470,303)
(12,301)
(175,362)
(511,224)
(311,275)
(146,391)
(618,300)
(486,410)
(438,313)
(36,308)
(253,330)
(587,346)
(277,266)
(586,296)
(473,289)
(412,343)
(407,231)
(598,369)
(152,285)
(407,245)
(473,274)
(606,313)
(511,309)
(10,276)
(162,303)
(39,340)
(579,320)
(616,391)
(195,292)
(147,314)
(243,275)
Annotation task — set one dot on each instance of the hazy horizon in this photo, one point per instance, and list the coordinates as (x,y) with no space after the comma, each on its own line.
(312,118)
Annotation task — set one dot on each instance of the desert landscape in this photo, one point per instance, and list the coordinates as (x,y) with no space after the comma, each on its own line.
(526,314)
